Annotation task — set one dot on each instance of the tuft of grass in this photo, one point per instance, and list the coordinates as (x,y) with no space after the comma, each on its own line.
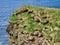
(13,18)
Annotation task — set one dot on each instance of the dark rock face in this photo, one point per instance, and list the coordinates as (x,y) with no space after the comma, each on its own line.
(30,26)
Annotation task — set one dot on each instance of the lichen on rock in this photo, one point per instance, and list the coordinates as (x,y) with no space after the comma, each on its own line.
(31,25)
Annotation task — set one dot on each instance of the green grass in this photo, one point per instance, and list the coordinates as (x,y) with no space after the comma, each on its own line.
(13,18)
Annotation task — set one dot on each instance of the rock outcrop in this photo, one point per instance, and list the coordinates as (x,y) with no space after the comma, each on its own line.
(34,26)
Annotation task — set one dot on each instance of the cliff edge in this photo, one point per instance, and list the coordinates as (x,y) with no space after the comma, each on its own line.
(34,26)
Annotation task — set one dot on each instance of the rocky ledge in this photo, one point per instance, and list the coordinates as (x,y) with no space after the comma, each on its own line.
(34,26)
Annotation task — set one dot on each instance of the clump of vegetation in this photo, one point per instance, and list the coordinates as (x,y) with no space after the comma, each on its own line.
(36,21)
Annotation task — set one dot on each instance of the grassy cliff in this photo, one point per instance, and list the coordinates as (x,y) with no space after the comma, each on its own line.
(31,25)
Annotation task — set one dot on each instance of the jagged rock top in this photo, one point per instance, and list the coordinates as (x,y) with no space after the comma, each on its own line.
(35,26)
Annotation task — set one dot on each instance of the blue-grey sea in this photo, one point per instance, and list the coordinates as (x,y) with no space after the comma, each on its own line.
(7,7)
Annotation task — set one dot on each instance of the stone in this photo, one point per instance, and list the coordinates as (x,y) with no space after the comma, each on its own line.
(20,19)
(38,21)
(44,43)
(39,35)
(30,11)
(46,28)
(31,38)
(56,28)
(44,17)
(46,22)
(24,26)
(22,11)
(13,44)
(16,37)
(11,33)
(36,33)
(32,17)
(14,26)
(42,12)
(36,29)
(25,32)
